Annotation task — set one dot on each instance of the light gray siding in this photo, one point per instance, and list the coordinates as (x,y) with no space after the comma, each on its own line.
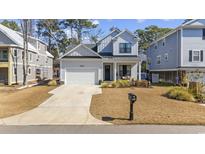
(35,61)
(125,38)
(192,40)
(80,63)
(106,44)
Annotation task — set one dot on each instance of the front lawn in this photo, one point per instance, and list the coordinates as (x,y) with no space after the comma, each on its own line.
(151,107)
(13,101)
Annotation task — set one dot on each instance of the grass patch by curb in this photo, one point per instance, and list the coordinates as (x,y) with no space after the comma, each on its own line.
(151,107)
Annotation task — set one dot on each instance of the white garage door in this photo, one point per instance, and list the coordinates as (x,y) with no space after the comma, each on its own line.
(81,76)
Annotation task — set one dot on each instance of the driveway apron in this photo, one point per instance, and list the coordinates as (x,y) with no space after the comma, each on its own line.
(69,105)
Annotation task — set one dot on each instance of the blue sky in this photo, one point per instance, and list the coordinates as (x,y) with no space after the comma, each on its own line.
(133,24)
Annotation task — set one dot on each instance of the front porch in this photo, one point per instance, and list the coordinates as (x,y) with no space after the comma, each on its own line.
(121,70)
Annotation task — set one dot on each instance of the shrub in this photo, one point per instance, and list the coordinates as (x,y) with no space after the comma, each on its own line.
(195,88)
(180,93)
(200,98)
(122,83)
(104,85)
(142,83)
(52,83)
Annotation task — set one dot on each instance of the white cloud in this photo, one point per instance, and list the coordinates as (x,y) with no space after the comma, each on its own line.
(140,20)
(96,22)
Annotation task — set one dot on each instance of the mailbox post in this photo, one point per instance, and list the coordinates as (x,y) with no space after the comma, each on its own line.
(132,97)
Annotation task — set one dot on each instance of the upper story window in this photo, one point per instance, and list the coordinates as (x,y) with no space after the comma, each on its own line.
(203,35)
(3,55)
(158,59)
(125,47)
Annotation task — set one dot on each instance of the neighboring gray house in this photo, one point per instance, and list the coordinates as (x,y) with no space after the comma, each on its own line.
(40,61)
(113,57)
(179,54)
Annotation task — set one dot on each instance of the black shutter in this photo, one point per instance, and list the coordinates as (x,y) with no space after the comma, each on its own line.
(190,55)
(202,55)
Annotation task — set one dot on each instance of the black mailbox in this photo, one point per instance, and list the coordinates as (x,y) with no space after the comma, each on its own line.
(132,97)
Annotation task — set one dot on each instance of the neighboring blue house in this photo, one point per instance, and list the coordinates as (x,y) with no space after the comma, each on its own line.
(179,53)
(113,57)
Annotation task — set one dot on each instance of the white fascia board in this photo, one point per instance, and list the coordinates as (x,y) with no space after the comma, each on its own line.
(122,33)
(69,51)
(108,35)
(78,47)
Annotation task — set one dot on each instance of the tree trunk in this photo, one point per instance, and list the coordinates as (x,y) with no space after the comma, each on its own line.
(25,51)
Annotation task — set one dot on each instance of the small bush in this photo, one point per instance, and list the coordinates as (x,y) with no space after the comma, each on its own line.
(104,85)
(142,83)
(52,83)
(200,98)
(180,93)
(195,88)
(122,83)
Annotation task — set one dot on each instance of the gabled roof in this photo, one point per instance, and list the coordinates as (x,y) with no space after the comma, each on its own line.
(49,54)
(15,37)
(126,30)
(78,46)
(109,34)
(174,30)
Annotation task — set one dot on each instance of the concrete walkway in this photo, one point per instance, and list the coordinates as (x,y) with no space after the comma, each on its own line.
(69,105)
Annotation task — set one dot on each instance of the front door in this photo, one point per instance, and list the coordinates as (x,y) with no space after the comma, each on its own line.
(107,72)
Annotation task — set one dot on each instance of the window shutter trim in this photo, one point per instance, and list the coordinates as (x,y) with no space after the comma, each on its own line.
(202,55)
(190,55)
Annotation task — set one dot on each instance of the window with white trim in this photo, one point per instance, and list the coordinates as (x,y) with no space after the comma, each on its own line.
(166,56)
(196,56)
(158,60)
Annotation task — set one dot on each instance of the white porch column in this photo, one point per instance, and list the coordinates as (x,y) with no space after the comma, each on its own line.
(115,71)
(139,71)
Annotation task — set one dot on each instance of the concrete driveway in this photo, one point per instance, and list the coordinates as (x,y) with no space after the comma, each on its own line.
(68,105)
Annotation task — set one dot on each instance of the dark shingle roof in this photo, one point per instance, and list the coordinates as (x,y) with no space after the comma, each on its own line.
(106,54)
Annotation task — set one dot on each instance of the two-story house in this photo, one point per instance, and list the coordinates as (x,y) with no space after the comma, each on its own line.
(113,57)
(179,54)
(40,61)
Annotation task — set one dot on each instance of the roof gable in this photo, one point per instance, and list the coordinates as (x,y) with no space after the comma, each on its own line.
(81,51)
(112,34)
(15,37)
(125,33)
(196,22)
